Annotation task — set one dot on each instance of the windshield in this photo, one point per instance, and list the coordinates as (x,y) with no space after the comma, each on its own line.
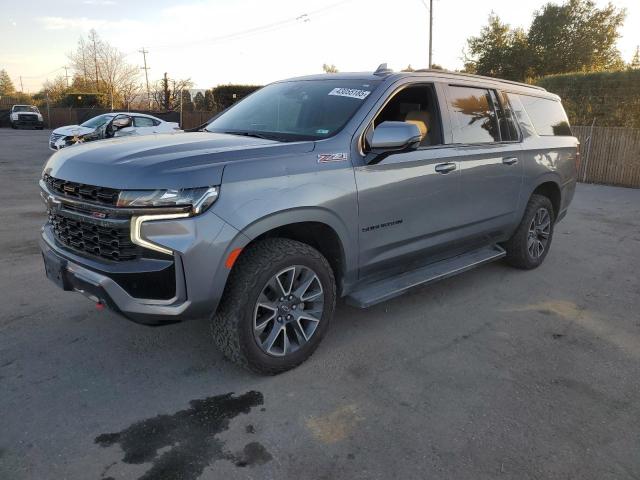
(98,121)
(297,110)
(25,108)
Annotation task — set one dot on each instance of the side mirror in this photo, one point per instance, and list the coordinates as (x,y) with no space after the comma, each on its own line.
(395,136)
(122,122)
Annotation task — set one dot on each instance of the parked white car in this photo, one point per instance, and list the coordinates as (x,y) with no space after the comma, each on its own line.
(109,125)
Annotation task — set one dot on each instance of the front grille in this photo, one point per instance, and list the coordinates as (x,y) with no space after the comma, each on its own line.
(26,117)
(112,242)
(103,195)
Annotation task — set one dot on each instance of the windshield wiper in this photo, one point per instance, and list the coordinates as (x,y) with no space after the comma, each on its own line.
(264,136)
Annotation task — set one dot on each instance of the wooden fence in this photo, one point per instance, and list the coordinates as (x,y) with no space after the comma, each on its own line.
(610,155)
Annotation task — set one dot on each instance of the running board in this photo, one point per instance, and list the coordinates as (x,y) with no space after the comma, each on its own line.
(392,287)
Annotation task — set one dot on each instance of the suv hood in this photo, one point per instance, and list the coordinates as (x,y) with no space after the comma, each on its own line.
(184,160)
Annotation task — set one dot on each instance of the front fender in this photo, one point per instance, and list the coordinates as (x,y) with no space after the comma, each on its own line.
(310,214)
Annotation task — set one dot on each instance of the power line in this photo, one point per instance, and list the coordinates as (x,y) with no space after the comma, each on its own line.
(302,18)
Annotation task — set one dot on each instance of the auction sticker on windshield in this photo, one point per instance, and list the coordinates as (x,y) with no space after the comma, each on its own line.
(350,92)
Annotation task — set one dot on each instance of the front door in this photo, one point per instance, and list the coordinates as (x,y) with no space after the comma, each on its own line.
(408,210)
(409,202)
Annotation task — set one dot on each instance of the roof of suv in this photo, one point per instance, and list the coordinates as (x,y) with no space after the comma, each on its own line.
(443,74)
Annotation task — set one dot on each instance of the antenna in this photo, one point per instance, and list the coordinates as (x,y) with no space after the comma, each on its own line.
(382,69)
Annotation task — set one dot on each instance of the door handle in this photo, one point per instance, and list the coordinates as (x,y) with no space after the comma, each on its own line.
(510,160)
(445,167)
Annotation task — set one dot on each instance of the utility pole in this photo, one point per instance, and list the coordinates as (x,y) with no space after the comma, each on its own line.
(146,73)
(66,75)
(95,59)
(21,87)
(430,32)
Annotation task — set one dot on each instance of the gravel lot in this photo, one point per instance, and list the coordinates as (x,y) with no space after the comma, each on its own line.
(497,373)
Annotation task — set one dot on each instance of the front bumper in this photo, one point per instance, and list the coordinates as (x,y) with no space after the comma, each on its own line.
(200,245)
(28,123)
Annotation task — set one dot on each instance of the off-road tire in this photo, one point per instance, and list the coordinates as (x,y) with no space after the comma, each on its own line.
(232,324)
(517,252)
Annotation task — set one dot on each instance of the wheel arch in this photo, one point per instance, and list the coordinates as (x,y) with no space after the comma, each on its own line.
(318,228)
(551,189)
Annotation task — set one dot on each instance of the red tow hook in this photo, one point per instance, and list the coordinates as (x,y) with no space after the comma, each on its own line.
(99,306)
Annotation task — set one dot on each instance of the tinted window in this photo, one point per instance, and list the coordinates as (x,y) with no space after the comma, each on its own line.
(508,125)
(474,117)
(547,115)
(305,109)
(143,122)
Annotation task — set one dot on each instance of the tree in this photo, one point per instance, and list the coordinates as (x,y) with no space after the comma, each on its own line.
(187,103)
(498,51)
(329,68)
(198,102)
(408,68)
(101,68)
(635,60)
(56,90)
(572,37)
(209,101)
(575,37)
(6,85)
(166,92)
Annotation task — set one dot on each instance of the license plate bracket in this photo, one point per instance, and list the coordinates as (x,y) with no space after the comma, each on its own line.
(56,269)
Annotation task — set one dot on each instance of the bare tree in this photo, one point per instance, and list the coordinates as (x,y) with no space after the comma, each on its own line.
(98,64)
(116,74)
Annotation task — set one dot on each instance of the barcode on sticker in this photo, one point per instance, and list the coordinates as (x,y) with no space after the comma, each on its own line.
(350,92)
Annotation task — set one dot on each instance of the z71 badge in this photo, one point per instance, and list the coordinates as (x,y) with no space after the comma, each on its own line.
(332,157)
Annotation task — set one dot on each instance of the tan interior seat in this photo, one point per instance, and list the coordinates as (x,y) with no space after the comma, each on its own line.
(420,118)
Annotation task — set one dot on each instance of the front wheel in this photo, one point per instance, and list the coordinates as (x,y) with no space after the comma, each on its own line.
(530,243)
(277,306)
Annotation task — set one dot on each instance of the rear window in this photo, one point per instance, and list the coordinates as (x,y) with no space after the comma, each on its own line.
(547,116)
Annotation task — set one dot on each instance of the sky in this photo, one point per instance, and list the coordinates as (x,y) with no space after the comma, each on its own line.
(214,42)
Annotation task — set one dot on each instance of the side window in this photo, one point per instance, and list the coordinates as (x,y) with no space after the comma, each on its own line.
(508,125)
(417,105)
(547,115)
(520,113)
(143,122)
(473,116)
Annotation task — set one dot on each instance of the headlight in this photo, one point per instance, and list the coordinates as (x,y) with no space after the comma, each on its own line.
(200,199)
(39,117)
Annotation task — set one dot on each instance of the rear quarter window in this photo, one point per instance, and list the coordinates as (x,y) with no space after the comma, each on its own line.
(546,115)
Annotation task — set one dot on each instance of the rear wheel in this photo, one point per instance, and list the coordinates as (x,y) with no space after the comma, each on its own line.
(530,243)
(277,306)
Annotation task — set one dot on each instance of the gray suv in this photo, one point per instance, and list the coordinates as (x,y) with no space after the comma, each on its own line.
(358,185)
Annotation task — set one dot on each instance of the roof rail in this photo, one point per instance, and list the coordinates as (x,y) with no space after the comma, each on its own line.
(470,75)
(383,70)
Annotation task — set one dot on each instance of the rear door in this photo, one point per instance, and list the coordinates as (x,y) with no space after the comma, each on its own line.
(487,146)
(144,125)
